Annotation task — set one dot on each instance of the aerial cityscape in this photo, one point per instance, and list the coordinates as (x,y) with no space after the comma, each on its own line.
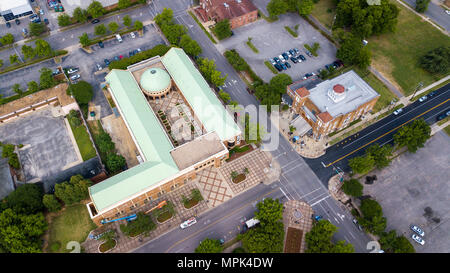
(224,126)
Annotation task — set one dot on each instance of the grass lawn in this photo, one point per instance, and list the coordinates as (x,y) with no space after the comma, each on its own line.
(397,54)
(447,130)
(71,224)
(320,12)
(416,97)
(83,141)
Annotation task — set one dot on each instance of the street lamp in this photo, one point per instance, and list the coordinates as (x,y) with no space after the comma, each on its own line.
(420,85)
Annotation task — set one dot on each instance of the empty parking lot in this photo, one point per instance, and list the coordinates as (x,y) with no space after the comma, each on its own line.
(415,189)
(271,39)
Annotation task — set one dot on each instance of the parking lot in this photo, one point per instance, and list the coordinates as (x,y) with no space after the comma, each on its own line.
(415,189)
(271,40)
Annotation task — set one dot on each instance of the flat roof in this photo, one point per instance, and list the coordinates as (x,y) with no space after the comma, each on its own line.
(71,5)
(201,98)
(357,92)
(12,4)
(197,150)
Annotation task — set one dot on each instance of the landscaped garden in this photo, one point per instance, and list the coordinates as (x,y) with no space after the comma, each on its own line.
(81,136)
(164,213)
(142,224)
(239,177)
(109,241)
(193,199)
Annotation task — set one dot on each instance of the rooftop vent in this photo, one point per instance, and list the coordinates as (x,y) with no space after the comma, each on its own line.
(226,5)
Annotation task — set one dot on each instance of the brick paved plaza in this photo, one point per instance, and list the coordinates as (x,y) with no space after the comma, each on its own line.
(215,189)
(297,219)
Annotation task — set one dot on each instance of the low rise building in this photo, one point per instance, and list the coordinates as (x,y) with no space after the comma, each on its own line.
(179,127)
(333,104)
(238,12)
(13,9)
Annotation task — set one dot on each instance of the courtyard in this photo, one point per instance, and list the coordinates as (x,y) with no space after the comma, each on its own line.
(272,39)
(414,190)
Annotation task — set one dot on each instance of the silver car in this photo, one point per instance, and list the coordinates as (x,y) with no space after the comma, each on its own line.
(418,230)
(418,239)
(75,77)
(398,111)
(422,99)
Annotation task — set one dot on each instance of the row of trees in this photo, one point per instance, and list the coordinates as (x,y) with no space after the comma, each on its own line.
(319,239)
(270,93)
(352,51)
(278,7)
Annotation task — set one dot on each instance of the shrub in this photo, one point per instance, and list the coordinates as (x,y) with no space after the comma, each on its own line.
(73,191)
(26,199)
(115,162)
(142,224)
(82,92)
(51,203)
(353,187)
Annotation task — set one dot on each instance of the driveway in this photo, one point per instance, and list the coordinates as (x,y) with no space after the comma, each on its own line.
(414,189)
(280,41)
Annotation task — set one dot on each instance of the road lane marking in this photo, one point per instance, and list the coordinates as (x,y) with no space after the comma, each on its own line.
(354,151)
(317,202)
(284,194)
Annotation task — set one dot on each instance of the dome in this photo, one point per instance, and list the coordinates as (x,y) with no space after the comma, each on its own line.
(339,89)
(155,80)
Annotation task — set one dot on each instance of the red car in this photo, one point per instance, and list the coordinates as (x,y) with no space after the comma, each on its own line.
(121,56)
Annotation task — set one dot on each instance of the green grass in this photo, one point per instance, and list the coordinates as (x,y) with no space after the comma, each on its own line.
(320,12)
(271,68)
(292,32)
(252,46)
(416,97)
(71,224)
(447,130)
(84,142)
(202,27)
(397,54)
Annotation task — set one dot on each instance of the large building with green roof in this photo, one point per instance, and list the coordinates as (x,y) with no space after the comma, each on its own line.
(177,124)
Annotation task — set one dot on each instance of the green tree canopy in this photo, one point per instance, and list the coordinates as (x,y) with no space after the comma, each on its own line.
(173,33)
(113,27)
(319,239)
(277,7)
(123,4)
(80,15)
(43,48)
(82,92)
(436,60)
(208,69)
(16,88)
(269,211)
(264,239)
(190,46)
(222,29)
(26,199)
(73,191)
(33,86)
(115,162)
(138,25)
(127,20)
(352,187)
(142,224)
(372,219)
(164,18)
(413,135)
(28,52)
(7,39)
(51,203)
(305,7)
(37,29)
(46,78)
(352,51)
(13,58)
(422,5)
(362,164)
(391,243)
(95,9)
(84,39)
(64,20)
(100,30)
(380,154)
(209,246)
(235,60)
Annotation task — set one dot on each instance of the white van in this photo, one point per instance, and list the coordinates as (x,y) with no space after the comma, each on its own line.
(118,38)
(251,223)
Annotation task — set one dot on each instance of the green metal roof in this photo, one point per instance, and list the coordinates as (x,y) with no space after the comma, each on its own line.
(155,80)
(197,92)
(149,136)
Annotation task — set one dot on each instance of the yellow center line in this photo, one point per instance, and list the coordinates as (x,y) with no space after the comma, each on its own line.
(354,151)
(221,219)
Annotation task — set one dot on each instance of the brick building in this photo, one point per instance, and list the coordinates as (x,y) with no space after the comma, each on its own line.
(333,104)
(239,12)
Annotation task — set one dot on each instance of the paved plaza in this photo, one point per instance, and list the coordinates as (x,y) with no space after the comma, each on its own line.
(297,219)
(215,189)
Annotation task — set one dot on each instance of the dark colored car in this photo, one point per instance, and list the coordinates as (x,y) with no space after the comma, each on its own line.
(285,56)
(116,58)
(431,94)
(8,24)
(277,60)
(278,67)
(46,21)
(296,50)
(107,62)
(292,52)
(284,66)
(17,22)
(294,60)
(442,116)
(95,21)
(287,64)
(100,44)
(302,57)
(131,53)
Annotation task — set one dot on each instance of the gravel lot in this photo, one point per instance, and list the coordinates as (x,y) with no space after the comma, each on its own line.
(271,39)
(415,189)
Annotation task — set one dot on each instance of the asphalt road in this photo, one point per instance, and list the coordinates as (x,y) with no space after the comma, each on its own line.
(382,132)
(435,13)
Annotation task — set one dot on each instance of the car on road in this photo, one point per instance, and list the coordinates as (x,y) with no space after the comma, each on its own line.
(95,21)
(444,115)
(418,230)
(75,77)
(99,67)
(398,111)
(431,94)
(8,24)
(424,98)
(17,22)
(100,44)
(189,222)
(357,224)
(72,70)
(132,35)
(119,38)
(418,239)
(107,62)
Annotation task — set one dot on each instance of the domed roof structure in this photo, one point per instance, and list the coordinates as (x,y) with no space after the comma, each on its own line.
(155,80)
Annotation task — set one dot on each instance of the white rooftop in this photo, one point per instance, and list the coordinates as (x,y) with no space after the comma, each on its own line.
(12,4)
(357,92)
(71,5)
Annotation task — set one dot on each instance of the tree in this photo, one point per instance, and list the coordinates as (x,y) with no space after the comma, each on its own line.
(235,60)
(164,18)
(123,4)
(142,224)
(352,187)
(28,52)
(43,48)
(381,155)
(13,59)
(95,9)
(64,20)
(222,29)
(173,32)
(80,15)
(305,7)
(1,63)
(82,92)
(104,142)
(319,239)
(100,30)
(264,239)
(7,39)
(51,203)
(13,161)
(352,51)
(209,246)
(391,243)
(279,83)
(73,191)
(127,20)
(74,118)
(436,60)
(138,25)
(20,233)
(84,39)
(17,90)
(46,78)
(422,5)
(362,164)
(115,162)
(26,199)
(372,219)
(33,87)
(37,29)
(113,27)
(413,135)
(269,211)
(208,69)
(277,7)
(224,96)
(190,46)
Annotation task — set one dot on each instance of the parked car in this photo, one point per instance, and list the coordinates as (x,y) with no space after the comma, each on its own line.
(107,62)
(55,72)
(116,58)
(46,21)
(294,60)
(276,60)
(120,56)
(283,65)
(24,31)
(17,22)
(287,64)
(278,67)
(281,58)
(442,116)
(75,77)
(99,67)
(418,230)
(191,221)
(131,53)
(296,50)
(95,21)
(41,11)
(418,239)
(132,35)
(8,24)
(431,94)
(285,56)
(118,38)
(398,111)
(309,53)
(100,44)
(138,50)
(72,70)
(422,99)
(292,51)
(308,75)
(272,61)
(302,57)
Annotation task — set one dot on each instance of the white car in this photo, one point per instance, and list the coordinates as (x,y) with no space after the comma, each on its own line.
(132,35)
(118,38)
(75,77)
(72,70)
(189,222)
(398,111)
(418,239)
(422,99)
(99,67)
(418,230)
(281,58)
(447,11)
